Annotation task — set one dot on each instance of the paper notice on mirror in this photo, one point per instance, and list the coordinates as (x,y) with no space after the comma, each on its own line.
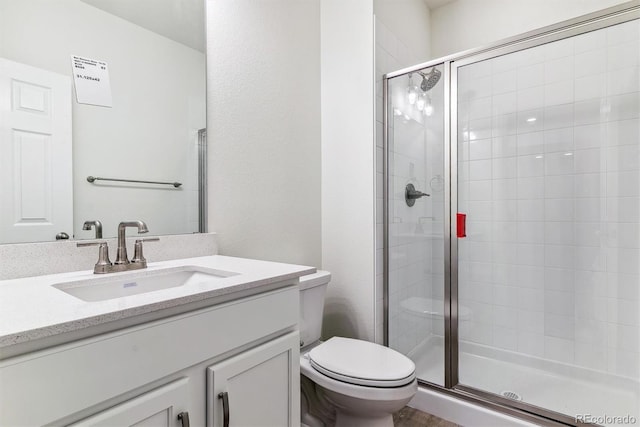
(91,78)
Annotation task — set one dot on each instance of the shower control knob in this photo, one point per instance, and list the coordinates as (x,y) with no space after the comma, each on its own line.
(411,194)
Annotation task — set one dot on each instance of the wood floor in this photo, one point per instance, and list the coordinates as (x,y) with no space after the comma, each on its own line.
(409,417)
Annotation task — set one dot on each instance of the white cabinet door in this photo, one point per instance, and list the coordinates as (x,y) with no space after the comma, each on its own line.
(260,387)
(36,195)
(158,408)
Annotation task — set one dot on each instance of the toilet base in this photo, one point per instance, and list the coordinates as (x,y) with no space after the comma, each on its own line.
(344,419)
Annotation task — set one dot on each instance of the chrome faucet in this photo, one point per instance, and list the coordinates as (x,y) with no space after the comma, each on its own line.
(121,254)
(96,224)
(122,262)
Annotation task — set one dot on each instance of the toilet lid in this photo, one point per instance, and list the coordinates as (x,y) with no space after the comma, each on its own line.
(362,363)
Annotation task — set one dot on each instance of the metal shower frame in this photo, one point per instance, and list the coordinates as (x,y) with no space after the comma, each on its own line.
(594,21)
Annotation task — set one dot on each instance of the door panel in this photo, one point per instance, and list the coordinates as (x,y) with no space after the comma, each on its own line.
(35,154)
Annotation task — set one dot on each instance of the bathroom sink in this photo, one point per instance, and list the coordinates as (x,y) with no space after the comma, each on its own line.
(120,285)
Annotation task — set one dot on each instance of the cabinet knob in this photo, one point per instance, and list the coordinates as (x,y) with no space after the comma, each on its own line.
(184,418)
(225,408)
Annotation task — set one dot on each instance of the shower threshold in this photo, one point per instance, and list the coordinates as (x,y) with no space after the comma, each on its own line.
(555,386)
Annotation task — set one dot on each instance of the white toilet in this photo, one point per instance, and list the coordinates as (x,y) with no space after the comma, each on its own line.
(347,382)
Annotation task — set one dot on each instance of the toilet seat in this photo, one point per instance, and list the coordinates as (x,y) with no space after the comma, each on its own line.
(362,363)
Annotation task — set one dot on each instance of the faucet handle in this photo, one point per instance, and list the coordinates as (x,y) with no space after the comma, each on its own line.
(104,262)
(138,256)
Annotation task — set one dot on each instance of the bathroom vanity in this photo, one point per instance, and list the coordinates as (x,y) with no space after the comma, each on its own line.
(219,347)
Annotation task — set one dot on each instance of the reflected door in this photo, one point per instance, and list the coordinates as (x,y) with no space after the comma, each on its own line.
(35,154)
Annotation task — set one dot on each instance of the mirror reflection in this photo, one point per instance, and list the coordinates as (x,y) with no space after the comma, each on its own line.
(109,89)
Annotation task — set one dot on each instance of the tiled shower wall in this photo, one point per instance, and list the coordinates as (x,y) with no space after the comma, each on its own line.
(549,175)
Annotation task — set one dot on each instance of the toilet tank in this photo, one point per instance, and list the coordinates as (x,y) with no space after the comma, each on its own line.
(312,290)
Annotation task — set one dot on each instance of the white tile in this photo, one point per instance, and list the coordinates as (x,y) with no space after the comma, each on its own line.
(504,189)
(590,87)
(590,62)
(530,143)
(588,233)
(480,169)
(504,82)
(559,210)
(590,356)
(624,80)
(504,63)
(504,146)
(589,136)
(624,132)
(530,276)
(530,56)
(588,161)
(529,229)
(530,75)
(625,363)
(480,271)
(504,253)
(626,209)
(591,331)
(590,258)
(504,103)
(506,317)
(559,349)
(590,185)
(480,108)
(624,337)
(531,344)
(504,274)
(558,256)
(480,129)
(624,107)
(504,168)
(587,112)
(559,69)
(530,210)
(505,296)
(559,163)
(504,231)
(623,55)
(558,116)
(530,166)
(623,260)
(480,190)
(529,254)
(503,210)
(623,312)
(623,184)
(480,149)
(530,187)
(558,233)
(588,209)
(623,286)
(530,121)
(531,321)
(558,93)
(558,279)
(559,326)
(623,158)
(558,186)
(588,41)
(505,338)
(621,33)
(529,99)
(531,299)
(504,125)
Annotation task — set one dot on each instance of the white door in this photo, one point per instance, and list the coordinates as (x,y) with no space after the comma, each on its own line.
(163,407)
(257,388)
(36,191)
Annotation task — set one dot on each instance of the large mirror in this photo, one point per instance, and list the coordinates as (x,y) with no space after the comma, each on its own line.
(109,89)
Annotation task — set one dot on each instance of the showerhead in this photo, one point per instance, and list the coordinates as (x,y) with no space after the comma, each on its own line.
(429,80)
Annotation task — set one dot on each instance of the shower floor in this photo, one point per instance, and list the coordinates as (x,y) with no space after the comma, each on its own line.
(539,382)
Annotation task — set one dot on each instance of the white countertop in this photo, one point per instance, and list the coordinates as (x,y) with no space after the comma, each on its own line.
(32,309)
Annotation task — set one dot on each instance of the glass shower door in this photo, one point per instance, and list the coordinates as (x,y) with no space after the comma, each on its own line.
(548,175)
(415,215)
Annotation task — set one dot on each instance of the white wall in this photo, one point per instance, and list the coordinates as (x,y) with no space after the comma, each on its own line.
(264,128)
(146,136)
(348,249)
(466,24)
(408,22)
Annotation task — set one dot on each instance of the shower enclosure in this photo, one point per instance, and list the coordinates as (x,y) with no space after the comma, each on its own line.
(512,221)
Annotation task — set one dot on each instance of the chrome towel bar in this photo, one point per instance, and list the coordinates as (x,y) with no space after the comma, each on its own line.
(97,178)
